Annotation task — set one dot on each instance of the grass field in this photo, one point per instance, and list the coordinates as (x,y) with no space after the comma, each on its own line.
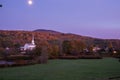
(82,69)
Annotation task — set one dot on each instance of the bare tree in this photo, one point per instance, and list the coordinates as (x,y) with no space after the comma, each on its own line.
(44,55)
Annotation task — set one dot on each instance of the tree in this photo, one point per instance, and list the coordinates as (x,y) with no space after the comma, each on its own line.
(77,47)
(2,51)
(53,51)
(6,42)
(44,55)
(110,46)
(67,47)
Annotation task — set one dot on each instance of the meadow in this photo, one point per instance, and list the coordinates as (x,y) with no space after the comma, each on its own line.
(81,69)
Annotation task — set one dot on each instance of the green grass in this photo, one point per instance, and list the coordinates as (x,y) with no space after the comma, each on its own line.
(82,69)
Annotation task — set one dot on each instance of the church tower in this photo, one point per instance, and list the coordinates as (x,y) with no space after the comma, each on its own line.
(33,42)
(30,46)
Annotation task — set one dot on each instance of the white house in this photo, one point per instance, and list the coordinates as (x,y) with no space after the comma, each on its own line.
(95,49)
(30,46)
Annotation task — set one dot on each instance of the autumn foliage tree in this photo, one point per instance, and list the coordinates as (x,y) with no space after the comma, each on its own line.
(67,47)
(73,47)
(53,51)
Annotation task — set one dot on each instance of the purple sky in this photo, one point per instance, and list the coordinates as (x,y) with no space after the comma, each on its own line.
(95,18)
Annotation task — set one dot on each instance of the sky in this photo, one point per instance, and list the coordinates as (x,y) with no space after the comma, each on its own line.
(94,18)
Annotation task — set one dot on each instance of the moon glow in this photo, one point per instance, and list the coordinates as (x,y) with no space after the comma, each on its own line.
(30,2)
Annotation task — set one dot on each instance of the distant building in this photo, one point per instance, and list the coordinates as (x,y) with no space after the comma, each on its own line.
(29,46)
(95,49)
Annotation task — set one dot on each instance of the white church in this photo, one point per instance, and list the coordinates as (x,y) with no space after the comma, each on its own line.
(29,46)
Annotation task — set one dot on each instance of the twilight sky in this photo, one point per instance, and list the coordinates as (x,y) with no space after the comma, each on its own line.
(95,18)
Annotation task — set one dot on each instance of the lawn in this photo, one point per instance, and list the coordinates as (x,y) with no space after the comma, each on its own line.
(81,69)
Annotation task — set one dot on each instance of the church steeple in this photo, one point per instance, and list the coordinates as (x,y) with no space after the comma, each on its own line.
(33,42)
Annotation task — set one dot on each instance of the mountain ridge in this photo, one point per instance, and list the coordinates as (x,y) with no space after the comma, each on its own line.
(46,30)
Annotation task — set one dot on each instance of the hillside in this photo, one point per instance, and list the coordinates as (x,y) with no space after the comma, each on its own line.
(11,38)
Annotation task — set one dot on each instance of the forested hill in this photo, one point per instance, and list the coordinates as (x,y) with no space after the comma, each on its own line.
(19,38)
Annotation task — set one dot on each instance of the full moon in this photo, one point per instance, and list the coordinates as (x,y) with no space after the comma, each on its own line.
(30,2)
